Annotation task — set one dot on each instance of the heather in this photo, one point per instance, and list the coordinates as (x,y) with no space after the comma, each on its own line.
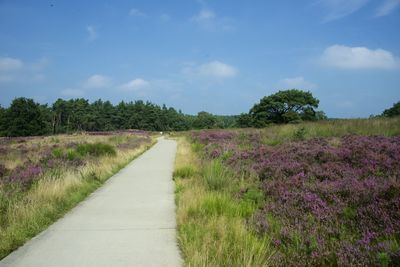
(323,197)
(43,177)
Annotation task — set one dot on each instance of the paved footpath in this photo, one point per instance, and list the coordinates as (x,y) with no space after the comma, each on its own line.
(130,221)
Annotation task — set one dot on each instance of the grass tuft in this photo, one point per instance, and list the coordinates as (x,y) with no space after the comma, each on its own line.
(96,150)
(216,176)
(186,171)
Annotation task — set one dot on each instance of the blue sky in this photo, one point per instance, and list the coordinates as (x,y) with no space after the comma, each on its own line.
(221,56)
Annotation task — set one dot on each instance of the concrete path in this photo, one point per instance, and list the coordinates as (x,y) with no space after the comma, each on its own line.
(130,221)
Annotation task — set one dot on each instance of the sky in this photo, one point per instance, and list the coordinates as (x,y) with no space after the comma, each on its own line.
(219,56)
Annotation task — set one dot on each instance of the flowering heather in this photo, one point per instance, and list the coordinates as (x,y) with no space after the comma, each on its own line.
(329,201)
(25,176)
(29,158)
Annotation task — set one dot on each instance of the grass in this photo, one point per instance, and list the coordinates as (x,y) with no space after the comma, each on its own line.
(96,149)
(216,176)
(27,213)
(212,229)
(278,134)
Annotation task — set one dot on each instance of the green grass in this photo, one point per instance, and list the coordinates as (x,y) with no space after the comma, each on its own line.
(216,176)
(212,229)
(278,134)
(96,149)
(184,172)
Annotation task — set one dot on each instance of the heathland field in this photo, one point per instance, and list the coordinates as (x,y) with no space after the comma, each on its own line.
(323,193)
(43,177)
(312,194)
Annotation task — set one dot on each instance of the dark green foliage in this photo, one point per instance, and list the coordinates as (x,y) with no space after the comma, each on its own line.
(244,120)
(2,120)
(205,120)
(96,150)
(23,118)
(393,111)
(285,106)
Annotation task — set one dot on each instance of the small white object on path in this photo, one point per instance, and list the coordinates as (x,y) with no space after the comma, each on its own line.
(129,221)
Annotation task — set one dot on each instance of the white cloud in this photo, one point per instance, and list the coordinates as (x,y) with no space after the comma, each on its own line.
(92,34)
(215,69)
(207,19)
(15,70)
(72,92)
(345,57)
(10,64)
(136,13)
(97,81)
(387,7)
(296,82)
(135,85)
(341,8)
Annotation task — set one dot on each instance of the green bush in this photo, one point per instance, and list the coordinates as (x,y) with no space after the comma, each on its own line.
(96,150)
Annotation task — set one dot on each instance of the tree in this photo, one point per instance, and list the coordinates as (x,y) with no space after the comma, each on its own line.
(244,120)
(204,120)
(2,120)
(24,118)
(393,111)
(283,107)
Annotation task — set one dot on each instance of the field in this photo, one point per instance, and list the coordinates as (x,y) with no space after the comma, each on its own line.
(312,194)
(43,177)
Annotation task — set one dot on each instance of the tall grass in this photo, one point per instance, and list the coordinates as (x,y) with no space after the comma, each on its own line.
(278,134)
(212,229)
(57,192)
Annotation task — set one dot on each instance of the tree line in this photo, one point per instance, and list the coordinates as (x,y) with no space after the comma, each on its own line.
(25,117)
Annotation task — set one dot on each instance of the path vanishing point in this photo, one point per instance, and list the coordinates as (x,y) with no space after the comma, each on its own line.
(129,221)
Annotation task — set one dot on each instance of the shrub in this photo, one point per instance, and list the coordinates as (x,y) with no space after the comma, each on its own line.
(95,150)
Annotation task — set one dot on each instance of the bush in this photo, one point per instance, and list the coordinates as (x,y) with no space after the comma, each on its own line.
(95,150)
